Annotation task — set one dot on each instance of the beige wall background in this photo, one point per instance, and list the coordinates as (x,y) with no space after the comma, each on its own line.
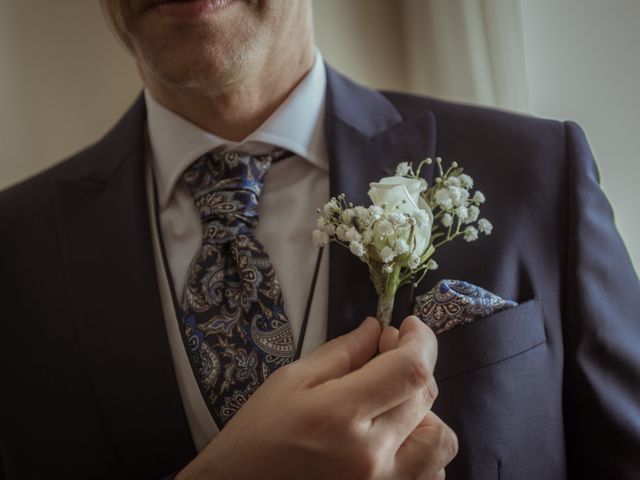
(64,80)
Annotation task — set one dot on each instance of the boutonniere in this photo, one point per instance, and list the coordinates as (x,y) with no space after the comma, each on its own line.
(398,235)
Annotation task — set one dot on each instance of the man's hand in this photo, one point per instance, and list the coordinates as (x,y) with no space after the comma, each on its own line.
(339,413)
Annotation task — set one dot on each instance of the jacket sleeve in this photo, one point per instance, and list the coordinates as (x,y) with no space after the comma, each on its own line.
(601,329)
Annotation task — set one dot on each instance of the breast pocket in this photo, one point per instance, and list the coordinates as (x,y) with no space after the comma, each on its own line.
(490,340)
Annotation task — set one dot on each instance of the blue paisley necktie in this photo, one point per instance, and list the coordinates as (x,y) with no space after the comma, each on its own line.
(233,317)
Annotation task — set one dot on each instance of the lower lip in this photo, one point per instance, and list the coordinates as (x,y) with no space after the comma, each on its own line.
(191,8)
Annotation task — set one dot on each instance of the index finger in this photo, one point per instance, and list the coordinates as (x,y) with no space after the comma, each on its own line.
(341,355)
(392,377)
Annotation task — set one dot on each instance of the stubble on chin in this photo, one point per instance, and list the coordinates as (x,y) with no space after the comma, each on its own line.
(199,62)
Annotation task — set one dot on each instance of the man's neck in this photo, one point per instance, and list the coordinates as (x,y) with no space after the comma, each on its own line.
(234,111)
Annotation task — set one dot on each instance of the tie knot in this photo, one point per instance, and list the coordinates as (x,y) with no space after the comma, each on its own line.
(226,188)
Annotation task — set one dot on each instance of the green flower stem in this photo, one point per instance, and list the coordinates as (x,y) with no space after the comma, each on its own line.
(421,277)
(385,308)
(451,237)
(386,297)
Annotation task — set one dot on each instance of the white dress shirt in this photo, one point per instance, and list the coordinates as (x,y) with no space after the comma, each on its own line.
(294,188)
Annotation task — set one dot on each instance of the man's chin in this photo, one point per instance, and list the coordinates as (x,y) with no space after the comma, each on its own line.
(190,67)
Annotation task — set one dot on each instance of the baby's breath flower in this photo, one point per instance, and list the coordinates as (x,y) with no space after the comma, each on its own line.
(485,226)
(402,169)
(466,181)
(473,214)
(341,233)
(351,235)
(471,234)
(443,198)
(397,218)
(325,226)
(432,265)
(367,237)
(421,218)
(347,216)
(357,249)
(456,195)
(383,228)
(447,220)
(479,197)
(375,211)
(362,214)
(452,182)
(462,212)
(387,255)
(401,247)
(330,206)
(320,238)
(387,268)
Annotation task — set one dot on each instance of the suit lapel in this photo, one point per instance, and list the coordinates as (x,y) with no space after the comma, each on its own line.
(366,138)
(105,240)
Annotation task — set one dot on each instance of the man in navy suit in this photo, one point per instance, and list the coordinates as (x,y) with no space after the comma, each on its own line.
(95,381)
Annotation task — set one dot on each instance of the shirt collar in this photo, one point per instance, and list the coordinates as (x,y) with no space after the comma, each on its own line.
(297,125)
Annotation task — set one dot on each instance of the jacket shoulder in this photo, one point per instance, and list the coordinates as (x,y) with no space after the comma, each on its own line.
(94,163)
(459,115)
(29,197)
(520,146)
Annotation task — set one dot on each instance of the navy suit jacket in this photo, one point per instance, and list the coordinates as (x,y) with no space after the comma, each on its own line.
(547,390)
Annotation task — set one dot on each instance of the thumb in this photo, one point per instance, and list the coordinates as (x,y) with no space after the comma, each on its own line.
(343,354)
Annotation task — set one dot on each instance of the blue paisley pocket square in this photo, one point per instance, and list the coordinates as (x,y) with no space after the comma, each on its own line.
(454,302)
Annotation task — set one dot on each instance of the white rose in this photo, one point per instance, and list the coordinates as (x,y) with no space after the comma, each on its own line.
(403,195)
(397,219)
(401,247)
(398,193)
(414,261)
